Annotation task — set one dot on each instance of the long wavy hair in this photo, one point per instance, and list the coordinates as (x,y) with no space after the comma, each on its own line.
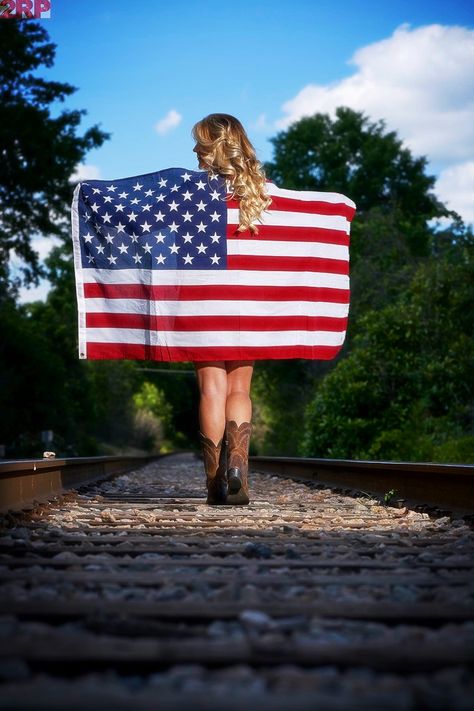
(223,147)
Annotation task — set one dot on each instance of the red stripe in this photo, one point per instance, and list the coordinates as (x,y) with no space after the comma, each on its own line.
(250,262)
(220,292)
(215,323)
(293,234)
(101,351)
(286,204)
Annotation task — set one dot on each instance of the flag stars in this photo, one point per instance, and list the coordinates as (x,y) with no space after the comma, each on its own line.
(201,205)
(90,258)
(173,205)
(147,248)
(160,216)
(162,183)
(173,227)
(174,248)
(149,193)
(132,216)
(159,238)
(160,197)
(123,248)
(107,217)
(187,237)
(188,259)
(120,207)
(135,201)
(160,259)
(96,190)
(200,185)
(187,216)
(215,237)
(215,259)
(201,227)
(120,227)
(111,188)
(146,208)
(146,227)
(109,238)
(137,258)
(137,186)
(88,237)
(202,248)
(123,196)
(187,195)
(95,207)
(215,217)
(107,198)
(215,195)
(100,249)
(112,259)
(134,237)
(174,189)
(186,177)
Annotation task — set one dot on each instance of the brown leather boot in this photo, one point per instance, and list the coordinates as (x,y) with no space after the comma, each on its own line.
(238,441)
(215,465)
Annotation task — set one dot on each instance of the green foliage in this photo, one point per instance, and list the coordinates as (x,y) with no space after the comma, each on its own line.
(39,152)
(405,391)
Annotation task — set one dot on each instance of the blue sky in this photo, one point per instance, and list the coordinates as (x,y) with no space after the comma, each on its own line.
(138,64)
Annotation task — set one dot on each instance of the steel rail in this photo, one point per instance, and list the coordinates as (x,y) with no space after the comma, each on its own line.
(450,486)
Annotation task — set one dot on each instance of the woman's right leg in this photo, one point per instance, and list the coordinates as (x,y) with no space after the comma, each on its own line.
(238,429)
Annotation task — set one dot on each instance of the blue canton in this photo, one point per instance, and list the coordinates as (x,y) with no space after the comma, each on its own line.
(171,219)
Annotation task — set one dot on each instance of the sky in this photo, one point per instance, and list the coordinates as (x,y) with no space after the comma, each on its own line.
(147,71)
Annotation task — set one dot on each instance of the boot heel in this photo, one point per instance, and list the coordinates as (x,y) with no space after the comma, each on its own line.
(234,480)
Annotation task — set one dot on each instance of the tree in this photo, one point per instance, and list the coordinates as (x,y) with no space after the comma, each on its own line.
(38,152)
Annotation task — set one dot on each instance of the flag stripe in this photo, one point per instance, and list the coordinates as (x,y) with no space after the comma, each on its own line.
(289,234)
(284,204)
(233,292)
(144,351)
(229,307)
(237,322)
(256,247)
(294,219)
(187,339)
(291,264)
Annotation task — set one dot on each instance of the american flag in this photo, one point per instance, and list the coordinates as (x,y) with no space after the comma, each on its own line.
(162,274)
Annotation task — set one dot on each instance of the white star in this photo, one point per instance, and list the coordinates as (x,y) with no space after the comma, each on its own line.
(160,197)
(120,207)
(160,216)
(174,249)
(187,237)
(201,205)
(96,190)
(134,237)
(215,195)
(123,248)
(202,248)
(112,188)
(137,186)
(213,176)
(137,258)
(160,238)
(112,259)
(132,216)
(160,259)
(215,217)
(173,205)
(149,193)
(95,207)
(215,259)
(100,249)
(123,195)
(86,217)
(88,237)
(187,195)
(173,227)
(146,208)
(107,217)
(109,238)
(120,227)
(174,189)
(90,258)
(186,177)
(107,198)
(162,182)
(201,227)
(200,185)
(188,259)
(146,227)
(187,216)
(135,201)
(147,247)
(215,237)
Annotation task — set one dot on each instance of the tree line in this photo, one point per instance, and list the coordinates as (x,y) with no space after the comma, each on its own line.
(401,386)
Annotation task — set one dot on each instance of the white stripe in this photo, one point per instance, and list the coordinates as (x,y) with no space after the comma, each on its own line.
(307,195)
(223,277)
(217,308)
(190,339)
(281,218)
(276,248)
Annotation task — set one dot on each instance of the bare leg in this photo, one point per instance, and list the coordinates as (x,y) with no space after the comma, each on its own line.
(238,404)
(212,382)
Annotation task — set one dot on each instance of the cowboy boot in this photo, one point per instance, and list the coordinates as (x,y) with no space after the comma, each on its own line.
(215,465)
(238,441)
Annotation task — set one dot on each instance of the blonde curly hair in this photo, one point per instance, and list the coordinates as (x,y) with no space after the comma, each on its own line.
(223,147)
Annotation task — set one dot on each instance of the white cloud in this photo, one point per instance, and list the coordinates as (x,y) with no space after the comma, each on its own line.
(421,81)
(170,121)
(455,187)
(261,123)
(84,171)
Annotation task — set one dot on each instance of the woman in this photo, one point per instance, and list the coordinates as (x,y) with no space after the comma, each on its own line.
(225,408)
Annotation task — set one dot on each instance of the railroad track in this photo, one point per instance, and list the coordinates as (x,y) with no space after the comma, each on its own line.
(133,593)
